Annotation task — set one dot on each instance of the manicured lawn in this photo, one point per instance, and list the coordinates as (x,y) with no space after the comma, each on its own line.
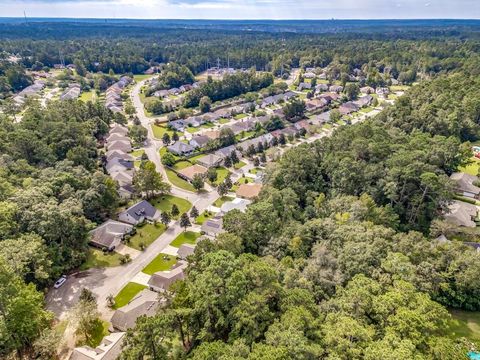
(98,259)
(207,125)
(160,130)
(98,331)
(221,174)
(465,324)
(186,237)
(239,165)
(220,201)
(242,180)
(203,217)
(327,126)
(181,165)
(471,169)
(165,202)
(140,77)
(162,262)
(192,130)
(240,116)
(367,109)
(254,171)
(194,159)
(223,121)
(137,153)
(178,182)
(88,96)
(399,87)
(146,235)
(127,294)
(244,135)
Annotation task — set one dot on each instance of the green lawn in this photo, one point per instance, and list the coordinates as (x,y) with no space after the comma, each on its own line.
(146,235)
(223,121)
(162,262)
(165,202)
(178,182)
(98,259)
(367,109)
(240,116)
(221,175)
(241,181)
(239,165)
(203,217)
(192,130)
(186,237)
(98,331)
(244,135)
(88,96)
(181,165)
(254,171)
(220,201)
(194,159)
(465,324)
(399,87)
(160,130)
(127,294)
(137,153)
(164,150)
(471,169)
(140,77)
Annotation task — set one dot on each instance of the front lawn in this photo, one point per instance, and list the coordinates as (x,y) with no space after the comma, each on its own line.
(367,109)
(141,77)
(146,235)
(181,165)
(88,96)
(162,262)
(178,182)
(137,153)
(239,165)
(203,217)
(165,203)
(192,130)
(98,259)
(221,175)
(255,171)
(465,324)
(220,201)
(223,121)
(240,116)
(186,237)
(127,294)
(471,169)
(160,130)
(399,87)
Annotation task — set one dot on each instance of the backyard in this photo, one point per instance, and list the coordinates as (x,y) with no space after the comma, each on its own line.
(162,262)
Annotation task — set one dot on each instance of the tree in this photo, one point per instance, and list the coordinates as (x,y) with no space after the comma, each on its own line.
(166,139)
(175,136)
(185,221)
(84,317)
(281,139)
(212,175)
(352,90)
(168,159)
(335,115)
(227,162)
(205,104)
(228,181)
(174,212)
(198,182)
(165,218)
(263,157)
(294,110)
(147,180)
(194,213)
(22,315)
(256,162)
(138,134)
(234,157)
(222,189)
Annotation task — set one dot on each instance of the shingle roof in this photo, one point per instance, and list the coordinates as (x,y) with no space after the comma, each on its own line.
(141,209)
(464,182)
(145,303)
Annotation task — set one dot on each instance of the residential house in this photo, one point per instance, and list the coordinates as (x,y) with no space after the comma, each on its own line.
(185,250)
(109,349)
(462,214)
(179,148)
(117,165)
(178,125)
(118,154)
(309,75)
(210,160)
(194,121)
(321,88)
(227,151)
(304,86)
(465,184)
(199,141)
(315,104)
(161,94)
(122,145)
(321,118)
(302,124)
(348,108)
(145,303)
(235,204)
(71,93)
(116,136)
(249,191)
(383,92)
(109,234)
(190,172)
(367,90)
(162,280)
(364,101)
(213,227)
(212,134)
(140,212)
(335,88)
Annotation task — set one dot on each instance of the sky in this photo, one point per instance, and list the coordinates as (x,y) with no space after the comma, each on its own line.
(244,9)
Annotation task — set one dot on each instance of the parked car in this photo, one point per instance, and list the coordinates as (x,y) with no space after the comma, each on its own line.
(60,281)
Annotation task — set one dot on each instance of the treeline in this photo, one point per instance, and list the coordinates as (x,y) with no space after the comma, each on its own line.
(230,86)
(328,263)
(12,78)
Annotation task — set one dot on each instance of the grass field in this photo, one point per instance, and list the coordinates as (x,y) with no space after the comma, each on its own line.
(239,165)
(194,159)
(140,77)
(160,130)
(223,121)
(181,165)
(472,168)
(146,235)
(220,201)
(162,262)
(178,182)
(240,116)
(165,202)
(88,96)
(127,294)
(98,259)
(203,217)
(186,237)
(137,153)
(465,324)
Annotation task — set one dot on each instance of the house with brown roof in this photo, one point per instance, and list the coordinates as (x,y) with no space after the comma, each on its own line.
(109,234)
(249,191)
(190,172)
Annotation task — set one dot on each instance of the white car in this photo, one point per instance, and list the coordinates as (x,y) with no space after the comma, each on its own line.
(60,281)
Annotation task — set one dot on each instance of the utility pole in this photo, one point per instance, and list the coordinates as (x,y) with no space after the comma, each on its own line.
(25,16)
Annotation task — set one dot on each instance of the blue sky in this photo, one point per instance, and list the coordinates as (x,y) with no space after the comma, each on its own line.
(244,9)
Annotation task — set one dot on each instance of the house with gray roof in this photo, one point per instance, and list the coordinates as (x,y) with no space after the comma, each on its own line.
(109,234)
(210,160)
(199,141)
(185,250)
(462,214)
(122,145)
(140,212)
(179,148)
(465,184)
(162,280)
(116,165)
(213,227)
(145,303)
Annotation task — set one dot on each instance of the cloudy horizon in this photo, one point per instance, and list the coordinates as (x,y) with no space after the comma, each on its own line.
(246,9)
